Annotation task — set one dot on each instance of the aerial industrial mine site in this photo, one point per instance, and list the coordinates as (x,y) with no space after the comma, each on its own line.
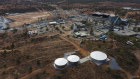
(69,39)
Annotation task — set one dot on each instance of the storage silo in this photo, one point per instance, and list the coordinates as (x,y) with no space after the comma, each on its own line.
(60,63)
(98,57)
(73,59)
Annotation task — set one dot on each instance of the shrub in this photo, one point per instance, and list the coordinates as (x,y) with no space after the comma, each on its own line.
(18,60)
(30,69)
(38,62)
(4,53)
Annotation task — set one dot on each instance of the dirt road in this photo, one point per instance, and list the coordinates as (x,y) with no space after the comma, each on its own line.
(33,73)
(84,52)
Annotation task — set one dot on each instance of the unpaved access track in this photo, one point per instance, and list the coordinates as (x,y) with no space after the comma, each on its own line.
(82,51)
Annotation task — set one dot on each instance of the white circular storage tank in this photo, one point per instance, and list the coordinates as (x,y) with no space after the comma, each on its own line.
(60,63)
(73,59)
(98,56)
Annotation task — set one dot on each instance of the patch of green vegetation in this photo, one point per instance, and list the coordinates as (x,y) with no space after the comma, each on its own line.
(97,45)
(115,74)
(123,55)
(126,59)
(18,61)
(30,69)
(38,62)
(3,73)
(4,65)
(124,39)
(57,77)
(14,30)
(56,28)
(4,53)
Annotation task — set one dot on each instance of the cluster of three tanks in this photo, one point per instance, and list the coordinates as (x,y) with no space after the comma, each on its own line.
(72,60)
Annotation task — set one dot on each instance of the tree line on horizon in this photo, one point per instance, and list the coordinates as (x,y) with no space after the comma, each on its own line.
(72,1)
(87,1)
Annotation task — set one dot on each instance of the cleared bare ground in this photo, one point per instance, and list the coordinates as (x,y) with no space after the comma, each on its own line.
(23,18)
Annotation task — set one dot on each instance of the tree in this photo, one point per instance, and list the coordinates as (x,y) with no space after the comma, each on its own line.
(91,30)
(25,33)
(30,69)
(4,53)
(18,60)
(56,28)
(15,30)
(47,29)
(71,27)
(63,27)
(12,46)
(38,62)
(108,70)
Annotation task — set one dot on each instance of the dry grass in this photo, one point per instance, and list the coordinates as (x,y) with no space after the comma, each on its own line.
(22,62)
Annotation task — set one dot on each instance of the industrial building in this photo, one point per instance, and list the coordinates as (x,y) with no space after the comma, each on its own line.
(114,19)
(33,32)
(80,34)
(103,15)
(125,21)
(130,8)
(60,63)
(4,23)
(80,24)
(73,59)
(98,57)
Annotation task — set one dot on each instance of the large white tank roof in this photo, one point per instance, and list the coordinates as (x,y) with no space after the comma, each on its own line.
(98,55)
(60,62)
(73,58)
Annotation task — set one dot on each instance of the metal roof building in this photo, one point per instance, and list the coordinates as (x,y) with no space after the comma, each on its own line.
(81,34)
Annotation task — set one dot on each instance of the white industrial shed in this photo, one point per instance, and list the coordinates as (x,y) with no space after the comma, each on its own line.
(73,59)
(60,63)
(53,23)
(98,57)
